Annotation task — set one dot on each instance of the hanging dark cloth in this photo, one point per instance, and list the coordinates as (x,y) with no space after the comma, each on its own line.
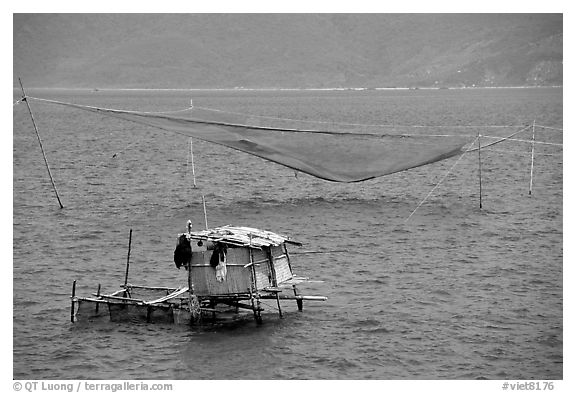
(183,252)
(219,254)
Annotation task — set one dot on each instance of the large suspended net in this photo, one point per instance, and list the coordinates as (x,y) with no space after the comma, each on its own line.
(335,152)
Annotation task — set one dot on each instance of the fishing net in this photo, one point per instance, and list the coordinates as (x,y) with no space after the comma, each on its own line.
(341,153)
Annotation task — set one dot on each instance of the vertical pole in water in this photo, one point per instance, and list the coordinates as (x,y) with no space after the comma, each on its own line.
(480,168)
(98,296)
(532,162)
(72,301)
(192,163)
(24,98)
(205,216)
(253,289)
(274,278)
(127,263)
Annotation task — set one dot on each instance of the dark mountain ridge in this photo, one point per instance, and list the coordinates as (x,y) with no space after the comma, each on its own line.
(287,50)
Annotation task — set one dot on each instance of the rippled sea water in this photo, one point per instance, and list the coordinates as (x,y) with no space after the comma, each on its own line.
(456,292)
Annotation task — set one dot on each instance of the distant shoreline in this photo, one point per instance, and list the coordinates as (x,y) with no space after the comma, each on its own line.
(96,89)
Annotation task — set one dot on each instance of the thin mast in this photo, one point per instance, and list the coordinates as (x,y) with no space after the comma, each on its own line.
(194,180)
(24,98)
(128,260)
(205,216)
(532,162)
(192,161)
(480,169)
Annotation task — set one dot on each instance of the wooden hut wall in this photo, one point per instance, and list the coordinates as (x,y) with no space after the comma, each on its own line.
(281,265)
(203,276)
(262,269)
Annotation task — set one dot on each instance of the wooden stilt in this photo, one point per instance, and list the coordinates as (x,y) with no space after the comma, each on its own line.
(274,278)
(41,146)
(258,310)
(213,308)
(278,303)
(72,301)
(532,161)
(299,302)
(194,304)
(98,295)
(255,303)
(255,307)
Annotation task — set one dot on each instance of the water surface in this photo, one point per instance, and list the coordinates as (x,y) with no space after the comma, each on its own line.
(456,292)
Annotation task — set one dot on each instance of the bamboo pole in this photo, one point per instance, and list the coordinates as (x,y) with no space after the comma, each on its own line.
(274,278)
(205,215)
(127,264)
(253,289)
(72,301)
(287,257)
(192,164)
(24,98)
(98,295)
(480,169)
(319,252)
(299,301)
(194,317)
(295,297)
(532,161)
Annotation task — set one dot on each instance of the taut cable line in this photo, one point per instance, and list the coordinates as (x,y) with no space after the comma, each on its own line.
(443,178)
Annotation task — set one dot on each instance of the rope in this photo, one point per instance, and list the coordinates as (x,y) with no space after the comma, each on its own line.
(358,124)
(108,109)
(526,141)
(191,107)
(549,128)
(273,129)
(112,110)
(501,139)
(168,112)
(521,152)
(276,129)
(443,177)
